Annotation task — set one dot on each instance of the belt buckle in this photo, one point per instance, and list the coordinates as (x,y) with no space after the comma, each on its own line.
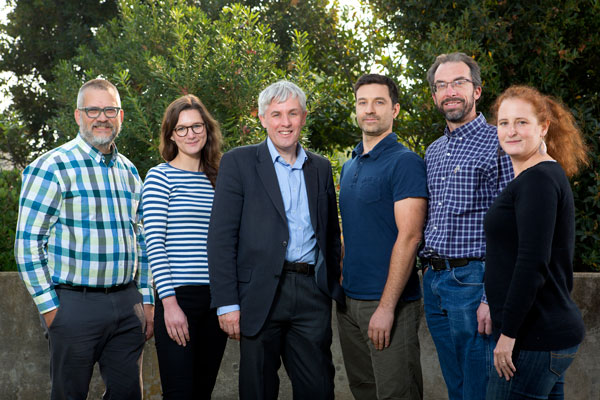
(438,264)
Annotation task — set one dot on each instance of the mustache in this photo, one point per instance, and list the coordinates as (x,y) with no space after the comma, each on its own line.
(452,100)
(102,125)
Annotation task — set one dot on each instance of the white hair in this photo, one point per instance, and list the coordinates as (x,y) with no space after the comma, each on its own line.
(280,91)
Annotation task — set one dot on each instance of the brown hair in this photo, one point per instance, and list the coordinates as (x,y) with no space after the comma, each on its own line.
(210,155)
(564,139)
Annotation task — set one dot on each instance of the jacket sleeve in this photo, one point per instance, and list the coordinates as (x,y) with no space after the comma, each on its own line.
(223,233)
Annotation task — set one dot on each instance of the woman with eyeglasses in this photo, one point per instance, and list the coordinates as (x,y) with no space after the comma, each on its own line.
(530,237)
(177,200)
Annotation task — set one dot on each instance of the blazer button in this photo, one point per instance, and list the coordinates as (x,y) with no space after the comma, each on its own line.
(284,243)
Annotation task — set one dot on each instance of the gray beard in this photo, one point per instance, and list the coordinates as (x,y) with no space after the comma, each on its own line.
(98,141)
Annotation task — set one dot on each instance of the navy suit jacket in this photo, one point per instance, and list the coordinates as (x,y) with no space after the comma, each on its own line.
(248,234)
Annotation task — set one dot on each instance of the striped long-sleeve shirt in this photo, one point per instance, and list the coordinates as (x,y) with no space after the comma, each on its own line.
(79,224)
(177,206)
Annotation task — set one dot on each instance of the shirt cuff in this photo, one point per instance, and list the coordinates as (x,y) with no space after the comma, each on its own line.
(484,298)
(227,309)
(148,295)
(47,301)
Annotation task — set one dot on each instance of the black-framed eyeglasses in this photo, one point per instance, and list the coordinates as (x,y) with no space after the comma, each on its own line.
(94,112)
(456,84)
(182,131)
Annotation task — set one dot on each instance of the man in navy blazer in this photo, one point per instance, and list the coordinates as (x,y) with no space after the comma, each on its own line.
(274,254)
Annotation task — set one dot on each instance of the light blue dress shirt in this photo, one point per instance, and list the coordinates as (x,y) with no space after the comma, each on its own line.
(302,242)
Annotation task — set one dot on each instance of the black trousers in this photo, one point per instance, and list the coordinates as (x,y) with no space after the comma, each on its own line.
(297,331)
(190,372)
(92,327)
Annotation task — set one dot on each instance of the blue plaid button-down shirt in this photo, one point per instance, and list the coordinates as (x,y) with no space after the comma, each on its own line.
(79,224)
(465,173)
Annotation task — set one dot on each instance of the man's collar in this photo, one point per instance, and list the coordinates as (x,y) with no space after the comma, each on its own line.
(275,156)
(383,144)
(94,152)
(468,128)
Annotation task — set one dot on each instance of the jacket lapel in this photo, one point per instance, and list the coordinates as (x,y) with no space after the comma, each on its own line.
(311,179)
(266,173)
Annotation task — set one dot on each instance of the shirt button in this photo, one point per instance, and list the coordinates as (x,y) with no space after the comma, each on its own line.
(439,203)
(435,228)
(443,178)
(284,243)
(447,154)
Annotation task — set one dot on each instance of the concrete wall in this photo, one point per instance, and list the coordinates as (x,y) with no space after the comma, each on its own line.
(24,371)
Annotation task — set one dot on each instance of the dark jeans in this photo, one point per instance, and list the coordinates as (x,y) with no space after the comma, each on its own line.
(92,327)
(298,330)
(539,375)
(190,372)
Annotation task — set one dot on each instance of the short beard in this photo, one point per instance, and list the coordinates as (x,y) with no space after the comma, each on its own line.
(460,114)
(88,135)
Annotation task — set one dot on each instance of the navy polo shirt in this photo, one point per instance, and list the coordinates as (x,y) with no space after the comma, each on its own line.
(370,184)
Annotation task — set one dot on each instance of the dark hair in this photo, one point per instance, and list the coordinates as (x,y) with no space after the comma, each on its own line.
(370,79)
(563,139)
(210,155)
(455,57)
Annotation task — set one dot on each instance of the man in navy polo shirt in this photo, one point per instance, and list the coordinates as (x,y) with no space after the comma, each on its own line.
(383,202)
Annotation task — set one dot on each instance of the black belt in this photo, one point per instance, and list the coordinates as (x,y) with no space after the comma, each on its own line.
(91,289)
(439,264)
(299,267)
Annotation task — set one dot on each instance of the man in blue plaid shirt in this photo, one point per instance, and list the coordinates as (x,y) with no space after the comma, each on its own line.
(465,172)
(81,253)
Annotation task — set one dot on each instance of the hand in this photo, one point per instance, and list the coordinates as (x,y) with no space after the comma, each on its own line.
(149,314)
(503,357)
(49,317)
(484,321)
(230,324)
(176,321)
(380,327)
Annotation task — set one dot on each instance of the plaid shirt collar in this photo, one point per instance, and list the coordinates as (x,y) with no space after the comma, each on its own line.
(94,153)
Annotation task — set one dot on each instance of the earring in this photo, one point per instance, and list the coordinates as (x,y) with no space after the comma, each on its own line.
(543,149)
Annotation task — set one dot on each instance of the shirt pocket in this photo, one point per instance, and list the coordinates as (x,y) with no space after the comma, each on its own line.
(369,189)
(78,205)
(464,188)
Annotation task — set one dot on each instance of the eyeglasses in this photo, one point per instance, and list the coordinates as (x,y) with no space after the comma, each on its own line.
(94,112)
(182,131)
(440,86)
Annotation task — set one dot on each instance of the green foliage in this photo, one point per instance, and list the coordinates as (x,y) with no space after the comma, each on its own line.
(554,46)
(155,52)
(37,36)
(10,186)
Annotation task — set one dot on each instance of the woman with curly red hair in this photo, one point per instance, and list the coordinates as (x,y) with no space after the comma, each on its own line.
(530,236)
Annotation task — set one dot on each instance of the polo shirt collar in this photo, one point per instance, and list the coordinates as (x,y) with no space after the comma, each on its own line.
(276,157)
(383,144)
(467,129)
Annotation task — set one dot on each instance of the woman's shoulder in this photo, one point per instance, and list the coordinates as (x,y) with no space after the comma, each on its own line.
(541,179)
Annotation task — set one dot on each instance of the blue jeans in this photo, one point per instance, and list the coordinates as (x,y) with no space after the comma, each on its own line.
(539,375)
(451,299)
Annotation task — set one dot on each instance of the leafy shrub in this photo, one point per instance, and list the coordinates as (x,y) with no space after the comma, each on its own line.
(10,186)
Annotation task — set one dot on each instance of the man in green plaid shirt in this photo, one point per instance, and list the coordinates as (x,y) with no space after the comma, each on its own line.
(82,256)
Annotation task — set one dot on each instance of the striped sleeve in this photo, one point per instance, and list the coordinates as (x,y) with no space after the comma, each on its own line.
(155,203)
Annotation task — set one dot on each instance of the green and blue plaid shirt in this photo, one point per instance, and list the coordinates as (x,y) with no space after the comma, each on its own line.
(79,224)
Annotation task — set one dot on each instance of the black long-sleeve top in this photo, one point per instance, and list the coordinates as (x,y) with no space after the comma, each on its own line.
(530,234)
